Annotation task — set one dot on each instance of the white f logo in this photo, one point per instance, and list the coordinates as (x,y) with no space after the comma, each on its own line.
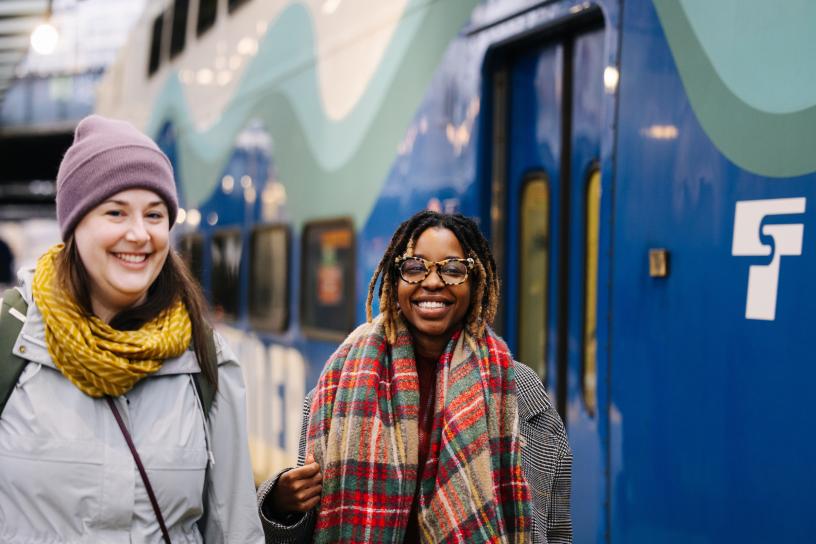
(787,241)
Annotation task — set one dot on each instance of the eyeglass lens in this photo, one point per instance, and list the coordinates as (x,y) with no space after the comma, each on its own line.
(451,272)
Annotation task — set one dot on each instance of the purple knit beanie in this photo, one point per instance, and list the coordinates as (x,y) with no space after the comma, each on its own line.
(108,157)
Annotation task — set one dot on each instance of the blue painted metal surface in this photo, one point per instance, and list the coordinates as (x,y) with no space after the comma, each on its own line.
(583,427)
(534,147)
(710,440)
(540,80)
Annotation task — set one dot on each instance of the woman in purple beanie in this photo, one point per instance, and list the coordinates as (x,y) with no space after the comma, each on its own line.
(126,422)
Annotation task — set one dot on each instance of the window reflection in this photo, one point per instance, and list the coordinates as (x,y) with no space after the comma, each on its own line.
(534,242)
(226,264)
(593,223)
(328,278)
(269,278)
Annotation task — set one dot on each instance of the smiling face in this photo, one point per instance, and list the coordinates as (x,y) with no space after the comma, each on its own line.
(123,244)
(432,309)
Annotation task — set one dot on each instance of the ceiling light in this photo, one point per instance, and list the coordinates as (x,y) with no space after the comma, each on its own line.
(44,39)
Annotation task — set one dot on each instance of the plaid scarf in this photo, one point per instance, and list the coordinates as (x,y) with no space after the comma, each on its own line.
(98,359)
(364,433)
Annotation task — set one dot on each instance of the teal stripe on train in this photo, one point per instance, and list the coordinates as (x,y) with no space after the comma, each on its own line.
(315,154)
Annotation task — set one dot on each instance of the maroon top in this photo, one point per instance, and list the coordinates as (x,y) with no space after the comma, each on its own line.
(426,370)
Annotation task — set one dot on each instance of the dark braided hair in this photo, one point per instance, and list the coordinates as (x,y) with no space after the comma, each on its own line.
(484,295)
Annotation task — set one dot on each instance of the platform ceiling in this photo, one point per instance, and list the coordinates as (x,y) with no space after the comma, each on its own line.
(18,18)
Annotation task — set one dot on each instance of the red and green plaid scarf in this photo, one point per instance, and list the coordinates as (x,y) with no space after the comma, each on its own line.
(364,433)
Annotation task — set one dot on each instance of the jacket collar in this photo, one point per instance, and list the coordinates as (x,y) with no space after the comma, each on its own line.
(532,398)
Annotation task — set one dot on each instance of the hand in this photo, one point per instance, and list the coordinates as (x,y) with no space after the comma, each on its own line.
(298,490)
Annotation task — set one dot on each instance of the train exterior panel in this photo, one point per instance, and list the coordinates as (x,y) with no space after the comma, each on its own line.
(642,168)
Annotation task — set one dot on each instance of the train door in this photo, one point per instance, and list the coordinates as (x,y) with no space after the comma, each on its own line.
(546,212)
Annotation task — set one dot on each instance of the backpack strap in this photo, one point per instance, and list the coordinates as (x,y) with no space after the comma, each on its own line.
(11,366)
(206,390)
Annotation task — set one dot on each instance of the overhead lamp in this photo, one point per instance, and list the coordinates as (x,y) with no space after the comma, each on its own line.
(330,6)
(611,76)
(45,37)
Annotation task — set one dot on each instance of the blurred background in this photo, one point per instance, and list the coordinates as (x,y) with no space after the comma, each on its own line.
(644,170)
(52,56)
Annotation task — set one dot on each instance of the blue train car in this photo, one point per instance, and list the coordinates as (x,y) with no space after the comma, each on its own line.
(642,168)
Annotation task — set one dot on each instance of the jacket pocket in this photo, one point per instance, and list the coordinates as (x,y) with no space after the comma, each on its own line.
(177,476)
(49,484)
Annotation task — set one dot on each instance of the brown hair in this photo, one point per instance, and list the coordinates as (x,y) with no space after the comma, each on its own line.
(484,297)
(173,282)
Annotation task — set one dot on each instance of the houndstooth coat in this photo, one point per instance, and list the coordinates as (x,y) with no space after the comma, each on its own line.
(546,459)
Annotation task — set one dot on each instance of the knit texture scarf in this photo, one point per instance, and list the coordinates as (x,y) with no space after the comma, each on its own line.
(364,433)
(97,358)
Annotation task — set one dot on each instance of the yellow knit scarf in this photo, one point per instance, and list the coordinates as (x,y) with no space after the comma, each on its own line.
(97,358)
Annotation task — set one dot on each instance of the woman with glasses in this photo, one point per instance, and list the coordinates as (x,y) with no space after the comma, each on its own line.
(422,428)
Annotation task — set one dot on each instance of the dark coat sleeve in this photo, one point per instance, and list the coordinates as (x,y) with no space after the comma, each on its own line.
(280,527)
(546,459)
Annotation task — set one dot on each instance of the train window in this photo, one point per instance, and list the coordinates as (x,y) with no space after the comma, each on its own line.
(179,34)
(593,229)
(235,4)
(207,11)
(534,243)
(191,249)
(155,45)
(226,265)
(269,278)
(327,285)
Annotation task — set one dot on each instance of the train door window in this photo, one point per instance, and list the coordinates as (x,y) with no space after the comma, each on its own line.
(533,270)
(179,34)
(207,12)
(155,45)
(552,120)
(226,263)
(191,249)
(327,288)
(593,227)
(235,4)
(269,278)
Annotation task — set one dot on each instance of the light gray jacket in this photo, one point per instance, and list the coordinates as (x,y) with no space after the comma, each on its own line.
(66,474)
